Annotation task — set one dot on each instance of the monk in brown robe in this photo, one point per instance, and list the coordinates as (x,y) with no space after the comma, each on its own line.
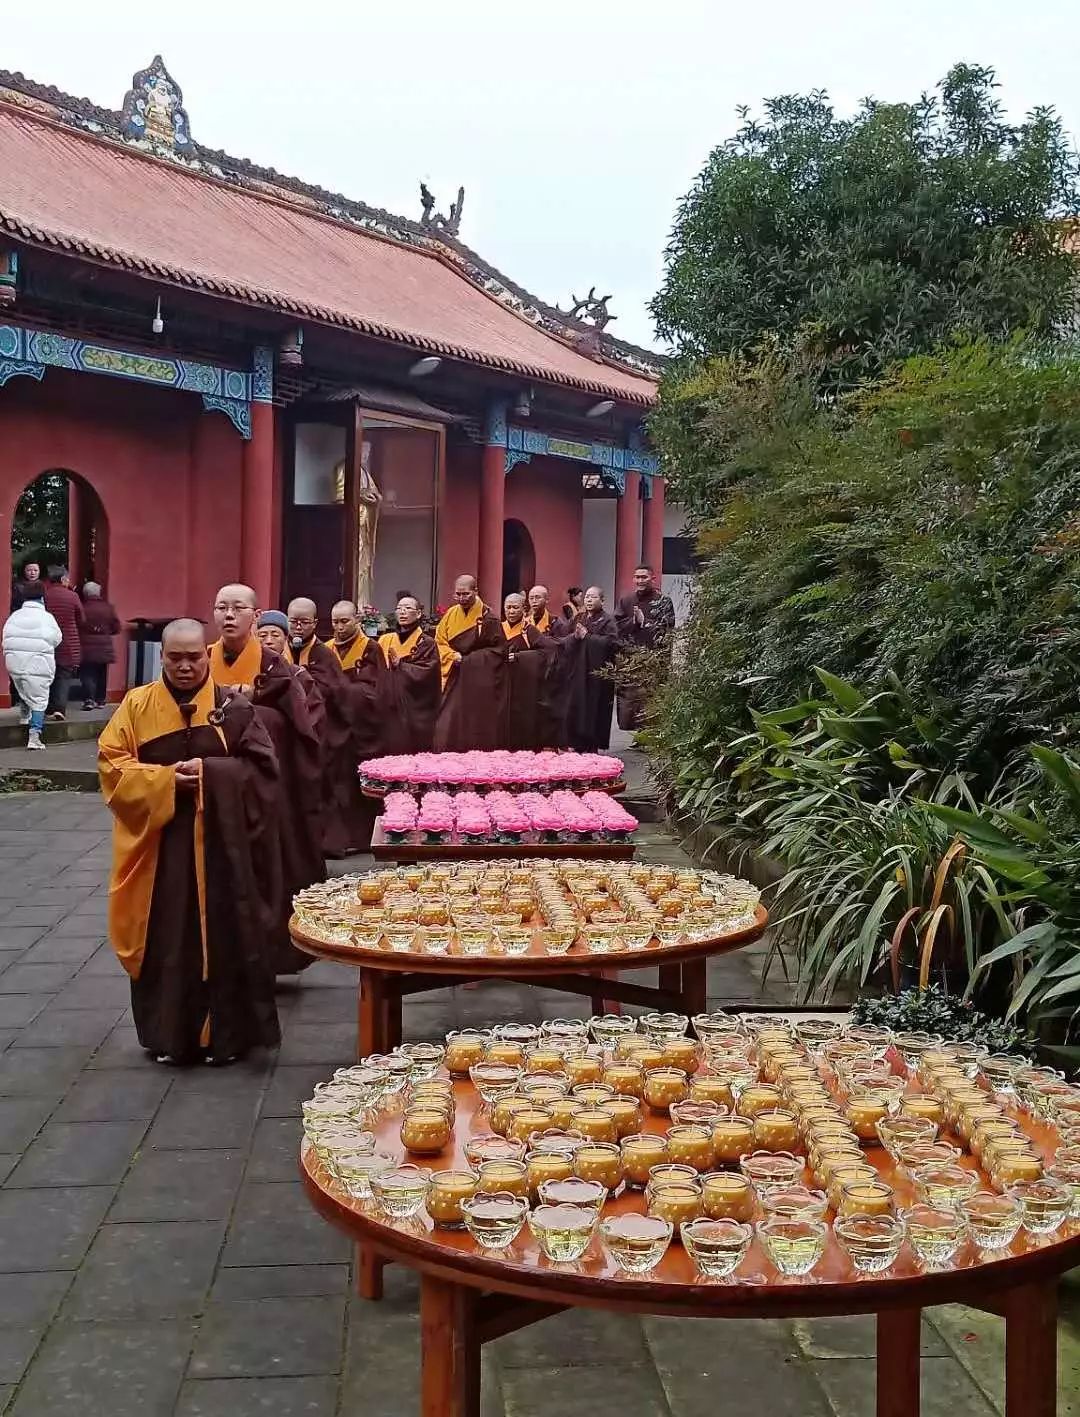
(592,646)
(556,693)
(531,656)
(472,654)
(411,683)
(190,776)
(290,707)
(360,663)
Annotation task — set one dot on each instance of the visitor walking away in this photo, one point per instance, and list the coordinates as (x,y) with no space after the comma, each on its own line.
(66,609)
(190,776)
(646,620)
(100,625)
(30,640)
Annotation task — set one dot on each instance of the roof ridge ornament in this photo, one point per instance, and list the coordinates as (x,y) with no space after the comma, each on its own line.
(154,111)
(434,220)
(593,309)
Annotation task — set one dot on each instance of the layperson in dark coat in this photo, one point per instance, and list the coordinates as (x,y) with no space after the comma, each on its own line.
(190,776)
(472,654)
(101,625)
(646,620)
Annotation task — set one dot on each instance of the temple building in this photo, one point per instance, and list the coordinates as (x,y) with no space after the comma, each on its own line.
(244,376)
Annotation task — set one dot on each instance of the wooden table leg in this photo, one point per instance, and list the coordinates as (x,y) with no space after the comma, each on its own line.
(898,1345)
(669,977)
(368,1275)
(1031,1350)
(694,990)
(391,1014)
(371,1020)
(449,1350)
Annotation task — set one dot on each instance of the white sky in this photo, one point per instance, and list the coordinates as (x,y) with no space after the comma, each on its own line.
(574,125)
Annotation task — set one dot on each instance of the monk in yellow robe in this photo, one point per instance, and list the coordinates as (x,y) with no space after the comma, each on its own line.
(530,654)
(290,707)
(411,683)
(190,776)
(472,654)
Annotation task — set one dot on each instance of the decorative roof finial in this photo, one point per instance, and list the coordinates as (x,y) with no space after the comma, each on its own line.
(592,309)
(154,110)
(435,220)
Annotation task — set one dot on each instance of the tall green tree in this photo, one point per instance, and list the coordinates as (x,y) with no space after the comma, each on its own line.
(871,238)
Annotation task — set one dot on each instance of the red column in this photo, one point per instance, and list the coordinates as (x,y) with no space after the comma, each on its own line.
(492,517)
(652,528)
(257,525)
(627,535)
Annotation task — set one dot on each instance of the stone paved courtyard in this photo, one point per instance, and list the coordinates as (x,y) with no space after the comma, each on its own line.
(157,1255)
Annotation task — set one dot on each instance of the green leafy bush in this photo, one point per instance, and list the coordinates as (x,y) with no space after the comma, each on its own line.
(933,1011)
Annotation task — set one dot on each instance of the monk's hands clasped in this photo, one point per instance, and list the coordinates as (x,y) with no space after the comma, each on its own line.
(189,773)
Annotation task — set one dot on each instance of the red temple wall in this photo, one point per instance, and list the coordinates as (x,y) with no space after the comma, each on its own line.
(545,495)
(168,475)
(459,520)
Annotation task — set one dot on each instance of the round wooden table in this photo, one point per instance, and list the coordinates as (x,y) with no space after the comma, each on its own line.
(468,1296)
(387,977)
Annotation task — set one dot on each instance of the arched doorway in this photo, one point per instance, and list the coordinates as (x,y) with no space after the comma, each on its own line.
(519,558)
(59,520)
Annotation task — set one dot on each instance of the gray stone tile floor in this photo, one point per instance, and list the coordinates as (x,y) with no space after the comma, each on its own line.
(157,1255)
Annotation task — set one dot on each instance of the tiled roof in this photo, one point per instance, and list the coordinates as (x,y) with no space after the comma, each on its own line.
(71,191)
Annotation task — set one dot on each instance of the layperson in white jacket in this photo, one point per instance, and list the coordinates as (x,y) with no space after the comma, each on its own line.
(30,638)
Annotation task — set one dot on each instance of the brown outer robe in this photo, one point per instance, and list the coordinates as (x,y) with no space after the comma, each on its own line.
(194,878)
(473,709)
(347,817)
(290,707)
(554,731)
(590,699)
(529,672)
(360,665)
(410,691)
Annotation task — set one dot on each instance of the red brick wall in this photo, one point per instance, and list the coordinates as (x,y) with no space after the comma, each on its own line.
(168,475)
(546,496)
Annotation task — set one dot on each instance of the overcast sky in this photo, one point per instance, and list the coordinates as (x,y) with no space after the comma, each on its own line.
(574,125)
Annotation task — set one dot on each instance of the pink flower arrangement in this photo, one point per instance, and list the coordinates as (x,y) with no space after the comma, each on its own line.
(505,814)
(499,768)
(399,812)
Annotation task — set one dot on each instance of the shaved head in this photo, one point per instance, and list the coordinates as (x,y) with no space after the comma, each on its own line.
(303,617)
(465,591)
(343,619)
(236,608)
(242,593)
(183,629)
(594,598)
(514,607)
(184,661)
(538,599)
